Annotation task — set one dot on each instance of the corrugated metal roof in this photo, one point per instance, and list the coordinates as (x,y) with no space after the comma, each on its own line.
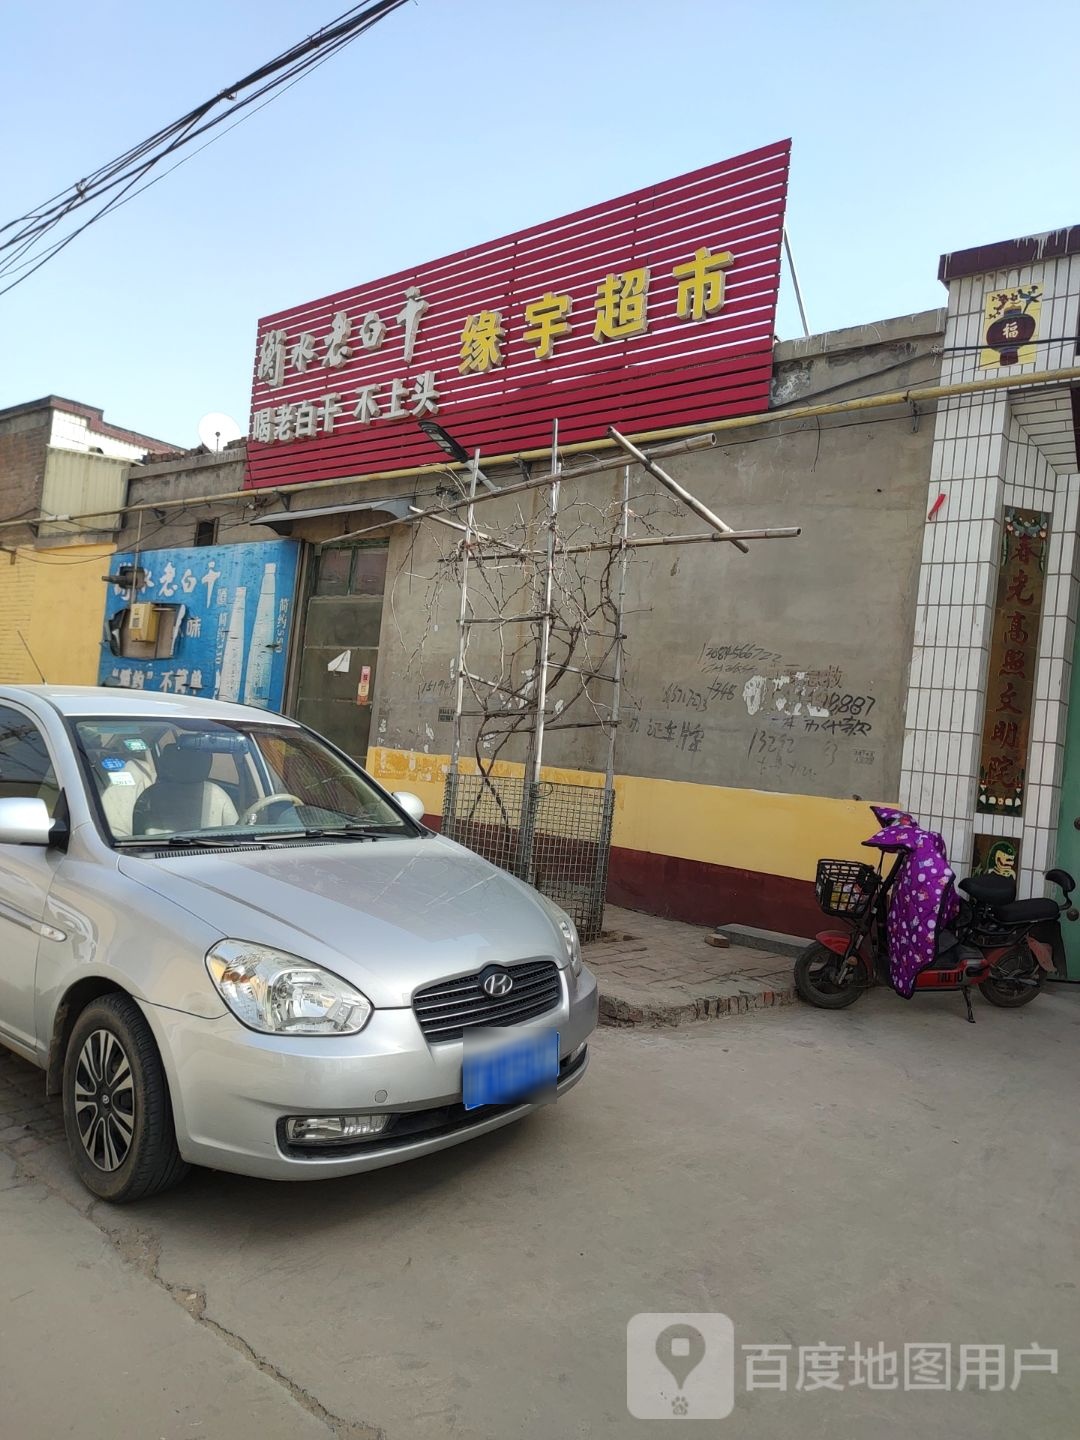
(77,482)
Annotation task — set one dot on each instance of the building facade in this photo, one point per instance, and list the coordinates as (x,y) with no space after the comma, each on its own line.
(765,694)
(59,458)
(914,644)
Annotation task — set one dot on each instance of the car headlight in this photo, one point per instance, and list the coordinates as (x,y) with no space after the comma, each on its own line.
(572,944)
(280,994)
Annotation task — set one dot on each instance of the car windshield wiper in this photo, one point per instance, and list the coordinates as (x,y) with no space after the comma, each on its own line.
(345,832)
(185,842)
(217,841)
(349,831)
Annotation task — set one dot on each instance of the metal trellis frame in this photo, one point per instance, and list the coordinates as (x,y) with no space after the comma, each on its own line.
(554,835)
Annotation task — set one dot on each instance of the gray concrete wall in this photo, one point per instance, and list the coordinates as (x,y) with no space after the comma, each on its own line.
(782,670)
(191,478)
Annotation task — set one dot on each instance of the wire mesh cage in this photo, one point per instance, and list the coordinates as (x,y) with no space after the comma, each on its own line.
(557,837)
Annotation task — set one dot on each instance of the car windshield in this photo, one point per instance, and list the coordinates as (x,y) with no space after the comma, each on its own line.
(209,782)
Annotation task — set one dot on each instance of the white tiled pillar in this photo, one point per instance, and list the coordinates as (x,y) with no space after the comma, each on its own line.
(954,618)
(984,460)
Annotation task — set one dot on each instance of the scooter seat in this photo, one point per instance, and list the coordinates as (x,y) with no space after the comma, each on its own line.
(1027,912)
(993,890)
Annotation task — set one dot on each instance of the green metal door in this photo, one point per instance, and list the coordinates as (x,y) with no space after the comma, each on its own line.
(340,645)
(1068,845)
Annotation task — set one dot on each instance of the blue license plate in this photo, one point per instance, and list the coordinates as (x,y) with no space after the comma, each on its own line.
(497,1068)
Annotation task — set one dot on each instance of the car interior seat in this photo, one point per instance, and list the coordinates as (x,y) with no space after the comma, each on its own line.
(183,797)
(120,779)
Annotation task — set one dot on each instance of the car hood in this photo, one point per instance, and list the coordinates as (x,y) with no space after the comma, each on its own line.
(389,915)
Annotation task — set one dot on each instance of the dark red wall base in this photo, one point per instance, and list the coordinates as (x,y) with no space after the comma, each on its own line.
(704,894)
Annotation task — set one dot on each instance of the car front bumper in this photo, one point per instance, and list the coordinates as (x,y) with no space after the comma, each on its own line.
(232,1087)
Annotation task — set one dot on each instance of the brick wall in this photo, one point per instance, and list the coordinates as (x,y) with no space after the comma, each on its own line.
(23,443)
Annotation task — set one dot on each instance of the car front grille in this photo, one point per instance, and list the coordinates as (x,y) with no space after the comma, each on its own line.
(445,1010)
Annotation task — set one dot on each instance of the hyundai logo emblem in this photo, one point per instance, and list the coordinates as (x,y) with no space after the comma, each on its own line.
(496,983)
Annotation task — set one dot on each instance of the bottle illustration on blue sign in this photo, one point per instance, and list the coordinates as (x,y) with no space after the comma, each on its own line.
(257,679)
(212,621)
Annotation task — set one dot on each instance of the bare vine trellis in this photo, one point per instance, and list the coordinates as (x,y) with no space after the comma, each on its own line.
(548,582)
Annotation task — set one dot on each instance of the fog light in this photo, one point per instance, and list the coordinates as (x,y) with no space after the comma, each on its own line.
(333,1129)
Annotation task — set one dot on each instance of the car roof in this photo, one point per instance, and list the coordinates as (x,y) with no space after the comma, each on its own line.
(112,700)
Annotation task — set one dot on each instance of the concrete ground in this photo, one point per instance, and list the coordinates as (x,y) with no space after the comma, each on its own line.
(653,971)
(883,1174)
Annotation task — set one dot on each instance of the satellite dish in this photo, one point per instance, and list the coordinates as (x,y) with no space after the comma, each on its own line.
(216,430)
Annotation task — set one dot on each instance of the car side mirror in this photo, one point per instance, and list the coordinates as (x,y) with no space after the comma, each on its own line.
(410,803)
(25,821)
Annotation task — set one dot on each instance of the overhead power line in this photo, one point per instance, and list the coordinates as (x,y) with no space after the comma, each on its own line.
(25,243)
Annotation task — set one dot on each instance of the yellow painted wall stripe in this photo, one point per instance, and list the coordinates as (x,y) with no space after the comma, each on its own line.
(756,830)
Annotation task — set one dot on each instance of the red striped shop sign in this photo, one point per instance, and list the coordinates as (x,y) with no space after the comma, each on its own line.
(653,310)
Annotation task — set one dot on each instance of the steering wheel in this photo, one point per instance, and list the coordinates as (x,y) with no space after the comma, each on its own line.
(256,808)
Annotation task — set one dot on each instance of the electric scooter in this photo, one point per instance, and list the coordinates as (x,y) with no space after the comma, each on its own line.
(1003,946)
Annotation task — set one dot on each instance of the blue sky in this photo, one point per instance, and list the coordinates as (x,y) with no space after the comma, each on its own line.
(916,128)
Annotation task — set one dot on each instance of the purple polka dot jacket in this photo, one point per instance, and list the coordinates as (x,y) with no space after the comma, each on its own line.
(922,901)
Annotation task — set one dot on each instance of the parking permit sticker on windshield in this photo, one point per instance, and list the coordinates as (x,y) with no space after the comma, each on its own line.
(137,745)
(121,777)
(112,762)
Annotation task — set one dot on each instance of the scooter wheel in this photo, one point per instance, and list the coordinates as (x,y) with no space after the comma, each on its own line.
(821,979)
(1008,994)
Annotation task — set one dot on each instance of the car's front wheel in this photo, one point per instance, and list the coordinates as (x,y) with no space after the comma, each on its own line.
(117,1113)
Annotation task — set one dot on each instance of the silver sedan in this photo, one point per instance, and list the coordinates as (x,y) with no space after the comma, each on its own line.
(227,946)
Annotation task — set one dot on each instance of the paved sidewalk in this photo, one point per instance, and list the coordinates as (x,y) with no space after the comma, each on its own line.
(662,972)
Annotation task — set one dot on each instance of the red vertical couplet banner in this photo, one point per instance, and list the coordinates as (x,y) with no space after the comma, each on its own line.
(1014,653)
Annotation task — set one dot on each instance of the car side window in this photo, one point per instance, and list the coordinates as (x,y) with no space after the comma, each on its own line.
(26,772)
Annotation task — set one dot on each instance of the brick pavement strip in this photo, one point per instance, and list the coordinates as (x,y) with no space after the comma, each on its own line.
(26,1113)
(655,972)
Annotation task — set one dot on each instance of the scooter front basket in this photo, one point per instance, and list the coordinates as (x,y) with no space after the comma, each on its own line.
(844,888)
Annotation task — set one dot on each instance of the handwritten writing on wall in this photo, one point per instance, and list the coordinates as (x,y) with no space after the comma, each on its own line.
(433,687)
(804,718)
(691,698)
(799,697)
(685,736)
(792,723)
(735,658)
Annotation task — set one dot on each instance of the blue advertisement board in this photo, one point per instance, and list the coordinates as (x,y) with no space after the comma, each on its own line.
(227,622)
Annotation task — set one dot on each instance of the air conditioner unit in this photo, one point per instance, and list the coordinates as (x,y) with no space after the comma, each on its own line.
(143,623)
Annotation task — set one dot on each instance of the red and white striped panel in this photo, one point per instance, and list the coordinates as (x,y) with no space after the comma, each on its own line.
(679,371)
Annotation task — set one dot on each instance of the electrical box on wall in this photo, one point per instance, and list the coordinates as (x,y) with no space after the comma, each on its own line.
(143,623)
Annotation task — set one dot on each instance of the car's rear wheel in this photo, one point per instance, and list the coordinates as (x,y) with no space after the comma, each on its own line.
(117,1113)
